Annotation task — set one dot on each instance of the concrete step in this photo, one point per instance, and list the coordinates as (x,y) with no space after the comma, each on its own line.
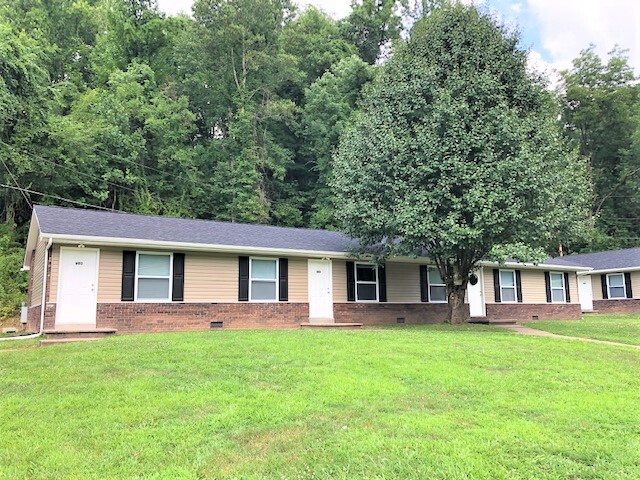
(79,332)
(330,325)
(485,321)
(62,341)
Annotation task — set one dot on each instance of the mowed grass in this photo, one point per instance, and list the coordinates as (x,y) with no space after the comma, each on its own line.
(616,328)
(429,402)
(12,344)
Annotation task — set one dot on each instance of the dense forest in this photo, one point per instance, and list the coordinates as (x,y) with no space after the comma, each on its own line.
(234,113)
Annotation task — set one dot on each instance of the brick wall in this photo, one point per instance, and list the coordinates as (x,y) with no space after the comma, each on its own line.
(33,319)
(388,313)
(630,305)
(525,311)
(166,317)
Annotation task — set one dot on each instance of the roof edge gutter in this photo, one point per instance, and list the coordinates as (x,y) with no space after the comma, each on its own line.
(610,270)
(120,242)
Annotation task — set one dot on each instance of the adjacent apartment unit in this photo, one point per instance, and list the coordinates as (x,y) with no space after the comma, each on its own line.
(138,273)
(612,283)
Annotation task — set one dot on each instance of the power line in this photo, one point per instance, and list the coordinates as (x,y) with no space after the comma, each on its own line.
(89,175)
(17,185)
(56,197)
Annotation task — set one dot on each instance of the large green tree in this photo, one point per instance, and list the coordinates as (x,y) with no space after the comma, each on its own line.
(600,116)
(457,154)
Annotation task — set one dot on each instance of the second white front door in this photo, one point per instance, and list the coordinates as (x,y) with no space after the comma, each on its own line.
(77,287)
(475,294)
(585,291)
(320,291)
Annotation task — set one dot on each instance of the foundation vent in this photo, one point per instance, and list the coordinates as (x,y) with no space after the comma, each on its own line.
(216,325)
(400,320)
(535,317)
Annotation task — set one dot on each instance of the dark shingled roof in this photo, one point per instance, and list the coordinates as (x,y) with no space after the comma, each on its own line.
(76,221)
(627,258)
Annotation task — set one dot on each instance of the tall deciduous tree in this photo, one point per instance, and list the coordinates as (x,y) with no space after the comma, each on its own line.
(600,115)
(457,154)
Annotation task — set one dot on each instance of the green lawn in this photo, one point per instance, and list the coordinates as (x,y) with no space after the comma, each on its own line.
(429,403)
(10,344)
(616,328)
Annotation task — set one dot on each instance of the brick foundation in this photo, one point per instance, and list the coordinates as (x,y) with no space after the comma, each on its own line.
(33,319)
(168,317)
(388,313)
(524,311)
(630,305)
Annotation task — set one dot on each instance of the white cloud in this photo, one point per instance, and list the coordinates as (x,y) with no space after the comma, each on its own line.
(568,26)
(174,7)
(536,63)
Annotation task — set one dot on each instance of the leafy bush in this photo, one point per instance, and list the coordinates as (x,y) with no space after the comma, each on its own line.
(13,282)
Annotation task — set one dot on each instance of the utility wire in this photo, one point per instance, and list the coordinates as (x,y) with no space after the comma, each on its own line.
(56,197)
(89,175)
(18,185)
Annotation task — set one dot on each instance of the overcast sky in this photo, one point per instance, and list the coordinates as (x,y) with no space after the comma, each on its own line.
(554,30)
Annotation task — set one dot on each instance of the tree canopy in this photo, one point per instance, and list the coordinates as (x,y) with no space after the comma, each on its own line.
(457,154)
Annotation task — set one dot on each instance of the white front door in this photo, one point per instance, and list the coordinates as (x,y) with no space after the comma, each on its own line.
(77,287)
(475,294)
(320,291)
(585,292)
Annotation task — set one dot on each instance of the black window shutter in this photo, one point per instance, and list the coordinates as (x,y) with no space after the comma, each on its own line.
(567,293)
(351,282)
(519,285)
(603,283)
(424,283)
(128,275)
(547,285)
(283,280)
(627,284)
(243,280)
(382,283)
(177,294)
(496,285)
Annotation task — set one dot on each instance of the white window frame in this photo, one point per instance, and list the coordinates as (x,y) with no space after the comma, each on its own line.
(514,287)
(362,282)
(624,287)
(138,276)
(429,285)
(275,281)
(552,288)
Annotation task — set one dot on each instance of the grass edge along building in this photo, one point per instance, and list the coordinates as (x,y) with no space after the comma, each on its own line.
(136,273)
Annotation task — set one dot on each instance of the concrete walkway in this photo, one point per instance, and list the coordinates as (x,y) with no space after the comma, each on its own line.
(522,330)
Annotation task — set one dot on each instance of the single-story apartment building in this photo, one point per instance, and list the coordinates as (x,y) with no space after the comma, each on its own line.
(138,273)
(612,285)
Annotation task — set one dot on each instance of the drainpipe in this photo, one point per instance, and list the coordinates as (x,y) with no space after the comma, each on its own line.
(43,304)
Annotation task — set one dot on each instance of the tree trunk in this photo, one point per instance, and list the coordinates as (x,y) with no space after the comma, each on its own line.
(458,312)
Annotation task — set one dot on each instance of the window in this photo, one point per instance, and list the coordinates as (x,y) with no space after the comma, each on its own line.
(615,284)
(508,285)
(263,280)
(153,276)
(437,288)
(366,283)
(557,287)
